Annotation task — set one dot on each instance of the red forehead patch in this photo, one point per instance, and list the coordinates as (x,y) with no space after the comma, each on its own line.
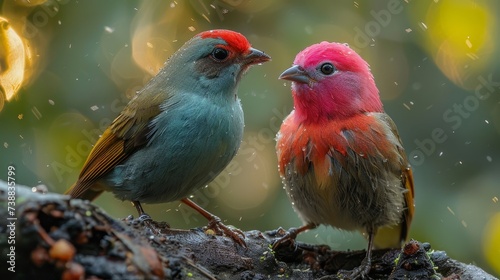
(233,39)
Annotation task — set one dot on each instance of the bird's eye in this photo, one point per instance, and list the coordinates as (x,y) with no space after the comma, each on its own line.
(219,54)
(327,68)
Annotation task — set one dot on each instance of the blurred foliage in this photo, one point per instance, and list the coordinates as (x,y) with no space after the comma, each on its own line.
(435,63)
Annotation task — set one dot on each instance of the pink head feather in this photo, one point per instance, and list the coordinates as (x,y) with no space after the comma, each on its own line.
(349,91)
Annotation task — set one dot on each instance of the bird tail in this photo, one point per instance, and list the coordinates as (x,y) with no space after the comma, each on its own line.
(87,194)
(396,236)
(390,237)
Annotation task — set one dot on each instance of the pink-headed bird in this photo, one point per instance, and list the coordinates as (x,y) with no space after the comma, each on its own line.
(340,155)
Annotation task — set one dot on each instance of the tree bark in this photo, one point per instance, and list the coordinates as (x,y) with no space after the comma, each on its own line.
(59,238)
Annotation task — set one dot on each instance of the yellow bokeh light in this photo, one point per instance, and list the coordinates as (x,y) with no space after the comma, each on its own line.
(491,242)
(12,62)
(460,38)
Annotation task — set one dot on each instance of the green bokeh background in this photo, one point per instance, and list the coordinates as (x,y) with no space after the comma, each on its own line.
(428,59)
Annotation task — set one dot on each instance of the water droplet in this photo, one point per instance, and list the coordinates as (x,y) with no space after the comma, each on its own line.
(468,43)
(36,112)
(109,29)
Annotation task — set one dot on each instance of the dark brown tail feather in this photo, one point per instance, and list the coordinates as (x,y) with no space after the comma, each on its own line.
(88,194)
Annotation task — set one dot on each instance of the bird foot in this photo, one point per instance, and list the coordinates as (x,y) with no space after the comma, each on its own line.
(149,223)
(144,217)
(288,237)
(360,272)
(219,228)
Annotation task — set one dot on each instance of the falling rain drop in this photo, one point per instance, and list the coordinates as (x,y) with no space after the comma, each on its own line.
(109,29)
(468,43)
(35,112)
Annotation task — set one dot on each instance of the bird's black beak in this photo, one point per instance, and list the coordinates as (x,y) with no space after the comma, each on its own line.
(255,57)
(296,74)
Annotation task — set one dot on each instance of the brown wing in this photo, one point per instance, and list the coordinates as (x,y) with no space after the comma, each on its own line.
(407,184)
(386,237)
(128,132)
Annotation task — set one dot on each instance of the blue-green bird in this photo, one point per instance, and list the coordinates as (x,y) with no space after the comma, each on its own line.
(179,132)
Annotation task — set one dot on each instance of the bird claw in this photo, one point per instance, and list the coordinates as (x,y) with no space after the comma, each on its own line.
(144,217)
(148,222)
(360,272)
(219,228)
(289,236)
